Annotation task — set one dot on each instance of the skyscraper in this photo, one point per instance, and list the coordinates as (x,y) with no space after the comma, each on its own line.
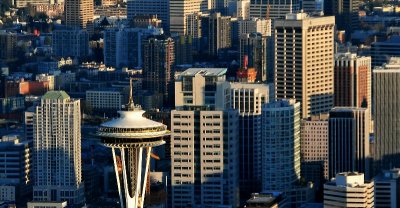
(204,149)
(348,145)
(277,8)
(204,143)
(216,30)
(352,80)
(57,150)
(123,46)
(304,61)
(178,10)
(248,99)
(79,14)
(254,46)
(314,141)
(280,145)
(158,60)
(346,13)
(387,189)
(386,107)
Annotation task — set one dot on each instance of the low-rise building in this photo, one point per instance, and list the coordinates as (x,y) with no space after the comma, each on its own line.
(349,190)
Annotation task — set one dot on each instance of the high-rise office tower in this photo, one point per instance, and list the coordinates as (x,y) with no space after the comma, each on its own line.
(387,189)
(193,29)
(248,99)
(304,59)
(349,189)
(178,9)
(254,47)
(123,46)
(277,8)
(158,60)
(57,150)
(216,31)
(79,14)
(314,141)
(352,80)
(160,8)
(346,13)
(70,43)
(280,145)
(348,145)
(382,50)
(386,105)
(204,143)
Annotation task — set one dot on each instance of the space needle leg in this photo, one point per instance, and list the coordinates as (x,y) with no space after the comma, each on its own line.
(117,176)
(146,172)
(130,202)
(138,176)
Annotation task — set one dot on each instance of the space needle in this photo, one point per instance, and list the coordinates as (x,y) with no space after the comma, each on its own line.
(133,136)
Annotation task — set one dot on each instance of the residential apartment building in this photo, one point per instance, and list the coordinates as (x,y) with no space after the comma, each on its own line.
(57,150)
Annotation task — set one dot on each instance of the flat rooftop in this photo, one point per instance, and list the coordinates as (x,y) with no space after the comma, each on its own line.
(204,71)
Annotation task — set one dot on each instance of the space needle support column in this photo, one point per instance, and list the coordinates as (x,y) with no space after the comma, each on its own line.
(117,176)
(146,172)
(130,201)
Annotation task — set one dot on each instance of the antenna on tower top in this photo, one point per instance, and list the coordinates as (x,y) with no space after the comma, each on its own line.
(130,105)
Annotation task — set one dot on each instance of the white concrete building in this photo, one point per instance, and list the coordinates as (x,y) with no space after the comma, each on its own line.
(205,165)
(280,145)
(104,99)
(304,58)
(197,87)
(349,190)
(57,149)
